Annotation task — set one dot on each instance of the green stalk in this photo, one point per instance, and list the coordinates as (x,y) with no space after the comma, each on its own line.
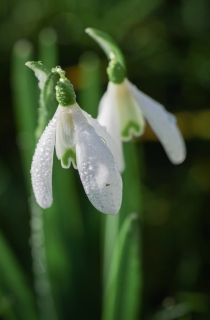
(130,301)
(121,297)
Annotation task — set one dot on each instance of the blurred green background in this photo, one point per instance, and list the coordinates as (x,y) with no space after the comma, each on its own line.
(166,45)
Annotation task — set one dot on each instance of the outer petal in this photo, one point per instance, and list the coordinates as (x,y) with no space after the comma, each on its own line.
(41,168)
(102,132)
(163,123)
(96,165)
(109,118)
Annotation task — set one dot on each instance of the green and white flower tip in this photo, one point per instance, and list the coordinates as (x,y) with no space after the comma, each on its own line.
(123,109)
(80,140)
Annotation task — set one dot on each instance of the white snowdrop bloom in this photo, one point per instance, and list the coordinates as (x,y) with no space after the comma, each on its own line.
(80,140)
(123,110)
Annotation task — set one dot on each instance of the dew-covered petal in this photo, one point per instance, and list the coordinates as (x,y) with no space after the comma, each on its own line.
(65,138)
(96,165)
(41,168)
(130,117)
(163,124)
(102,132)
(108,117)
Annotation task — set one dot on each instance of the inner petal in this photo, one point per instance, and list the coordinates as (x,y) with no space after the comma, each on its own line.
(131,120)
(65,150)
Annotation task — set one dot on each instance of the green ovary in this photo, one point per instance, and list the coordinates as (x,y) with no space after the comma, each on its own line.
(69,154)
(132,128)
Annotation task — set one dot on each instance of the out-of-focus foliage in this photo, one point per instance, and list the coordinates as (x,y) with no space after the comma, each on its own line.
(166,46)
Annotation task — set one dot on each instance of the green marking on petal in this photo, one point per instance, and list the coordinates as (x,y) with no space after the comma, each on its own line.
(68,157)
(131,129)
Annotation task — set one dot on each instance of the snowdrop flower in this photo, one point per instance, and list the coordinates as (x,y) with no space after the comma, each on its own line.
(80,140)
(123,110)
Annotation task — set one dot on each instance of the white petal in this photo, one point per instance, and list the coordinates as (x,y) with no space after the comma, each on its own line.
(102,132)
(163,124)
(96,165)
(65,137)
(109,118)
(41,168)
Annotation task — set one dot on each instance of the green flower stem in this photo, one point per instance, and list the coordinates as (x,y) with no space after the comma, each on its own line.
(111,229)
(121,298)
(15,292)
(132,202)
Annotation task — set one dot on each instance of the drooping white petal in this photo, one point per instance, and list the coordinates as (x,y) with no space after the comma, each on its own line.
(96,165)
(109,118)
(65,137)
(41,168)
(163,124)
(102,132)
